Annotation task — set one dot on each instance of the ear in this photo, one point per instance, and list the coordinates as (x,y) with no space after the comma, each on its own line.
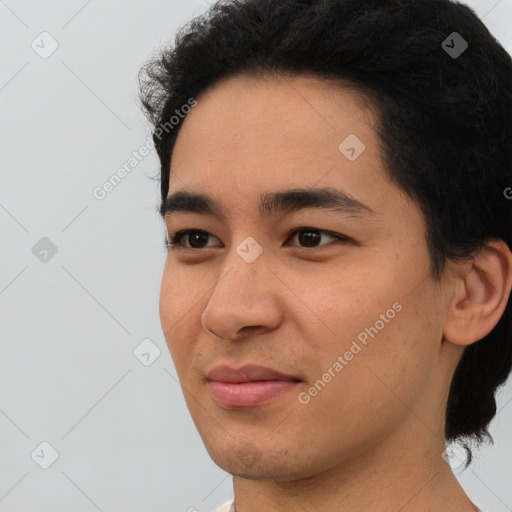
(481,291)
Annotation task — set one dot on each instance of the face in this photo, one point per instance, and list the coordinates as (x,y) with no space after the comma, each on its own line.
(344,307)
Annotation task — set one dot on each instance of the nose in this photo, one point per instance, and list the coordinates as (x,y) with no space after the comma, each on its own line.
(245,301)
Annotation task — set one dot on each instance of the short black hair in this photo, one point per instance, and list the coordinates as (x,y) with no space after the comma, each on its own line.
(445,125)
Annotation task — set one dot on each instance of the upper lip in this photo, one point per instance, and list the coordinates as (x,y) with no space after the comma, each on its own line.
(248,373)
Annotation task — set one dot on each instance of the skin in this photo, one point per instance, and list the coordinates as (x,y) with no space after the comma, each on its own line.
(372,438)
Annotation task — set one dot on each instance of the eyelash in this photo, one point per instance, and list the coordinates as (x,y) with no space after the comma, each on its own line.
(176,239)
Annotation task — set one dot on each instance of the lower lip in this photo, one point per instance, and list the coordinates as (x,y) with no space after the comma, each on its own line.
(249,394)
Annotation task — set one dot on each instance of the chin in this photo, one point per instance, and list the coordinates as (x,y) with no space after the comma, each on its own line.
(251,464)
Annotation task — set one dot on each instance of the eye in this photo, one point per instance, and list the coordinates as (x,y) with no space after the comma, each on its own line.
(306,235)
(310,236)
(194,236)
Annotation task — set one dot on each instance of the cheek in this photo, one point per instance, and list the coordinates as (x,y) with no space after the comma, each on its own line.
(380,318)
(344,300)
(391,363)
(176,308)
(376,384)
(180,290)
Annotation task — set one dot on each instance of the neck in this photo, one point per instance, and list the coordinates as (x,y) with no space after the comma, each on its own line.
(404,476)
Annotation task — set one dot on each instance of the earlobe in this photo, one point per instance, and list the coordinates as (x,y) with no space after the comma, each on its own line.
(481,295)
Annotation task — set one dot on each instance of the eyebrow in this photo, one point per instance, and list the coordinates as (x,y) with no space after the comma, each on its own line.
(270,203)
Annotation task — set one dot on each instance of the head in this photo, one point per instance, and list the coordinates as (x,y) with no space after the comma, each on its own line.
(362,98)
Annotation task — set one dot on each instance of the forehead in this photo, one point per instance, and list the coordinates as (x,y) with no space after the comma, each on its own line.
(251,134)
(278,111)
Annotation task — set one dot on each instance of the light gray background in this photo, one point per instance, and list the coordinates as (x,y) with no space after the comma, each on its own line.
(69,325)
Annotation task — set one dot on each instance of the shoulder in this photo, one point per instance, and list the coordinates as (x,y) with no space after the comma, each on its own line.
(225,507)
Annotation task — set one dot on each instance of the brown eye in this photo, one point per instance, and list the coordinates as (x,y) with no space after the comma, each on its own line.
(310,237)
(196,238)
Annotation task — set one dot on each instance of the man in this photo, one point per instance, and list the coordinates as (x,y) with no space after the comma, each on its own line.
(336,295)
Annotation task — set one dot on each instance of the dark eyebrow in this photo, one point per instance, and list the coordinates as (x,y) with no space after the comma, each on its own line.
(271,203)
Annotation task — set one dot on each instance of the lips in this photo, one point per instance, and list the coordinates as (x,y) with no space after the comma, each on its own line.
(249,373)
(249,386)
